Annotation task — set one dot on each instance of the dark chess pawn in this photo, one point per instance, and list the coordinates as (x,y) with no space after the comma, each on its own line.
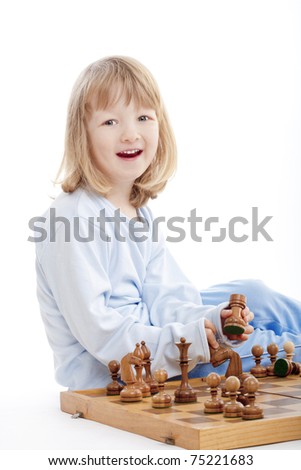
(252,410)
(272,350)
(232,409)
(258,370)
(215,404)
(161,399)
(114,388)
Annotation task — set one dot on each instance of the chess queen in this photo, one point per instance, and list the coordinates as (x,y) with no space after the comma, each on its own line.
(106,279)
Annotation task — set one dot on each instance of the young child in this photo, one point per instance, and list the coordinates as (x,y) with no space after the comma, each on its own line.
(106,279)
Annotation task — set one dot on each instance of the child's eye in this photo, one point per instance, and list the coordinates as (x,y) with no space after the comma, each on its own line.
(143,118)
(110,122)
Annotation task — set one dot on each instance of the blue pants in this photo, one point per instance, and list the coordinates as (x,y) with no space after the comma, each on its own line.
(277,319)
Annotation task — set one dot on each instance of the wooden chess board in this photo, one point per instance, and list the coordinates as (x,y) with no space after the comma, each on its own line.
(186,425)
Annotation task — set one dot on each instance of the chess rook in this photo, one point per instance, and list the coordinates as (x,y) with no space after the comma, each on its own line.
(235,325)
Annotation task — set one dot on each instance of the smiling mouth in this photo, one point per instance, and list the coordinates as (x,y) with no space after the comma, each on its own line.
(130,153)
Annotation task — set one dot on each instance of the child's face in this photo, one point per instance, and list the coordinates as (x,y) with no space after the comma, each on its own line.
(124,141)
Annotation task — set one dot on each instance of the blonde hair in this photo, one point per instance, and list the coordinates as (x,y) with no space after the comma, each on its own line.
(134,82)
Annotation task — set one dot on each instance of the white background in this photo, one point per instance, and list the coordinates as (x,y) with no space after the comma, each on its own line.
(230,75)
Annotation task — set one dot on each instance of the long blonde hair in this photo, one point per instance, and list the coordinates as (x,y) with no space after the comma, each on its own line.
(134,82)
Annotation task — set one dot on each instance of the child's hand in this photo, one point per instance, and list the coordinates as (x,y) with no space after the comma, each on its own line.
(247,316)
(210,333)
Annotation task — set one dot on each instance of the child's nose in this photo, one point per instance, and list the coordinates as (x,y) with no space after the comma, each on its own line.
(130,134)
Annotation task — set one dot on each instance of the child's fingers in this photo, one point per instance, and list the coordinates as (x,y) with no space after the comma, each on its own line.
(210,333)
(226,313)
(249,329)
(247,315)
(243,337)
(210,325)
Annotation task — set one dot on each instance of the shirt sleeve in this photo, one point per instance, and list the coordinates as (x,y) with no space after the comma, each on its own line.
(171,297)
(77,278)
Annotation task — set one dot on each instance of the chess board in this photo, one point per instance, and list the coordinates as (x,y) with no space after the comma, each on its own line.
(186,425)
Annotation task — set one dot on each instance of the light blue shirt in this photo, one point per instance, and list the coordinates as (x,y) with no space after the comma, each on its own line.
(101,290)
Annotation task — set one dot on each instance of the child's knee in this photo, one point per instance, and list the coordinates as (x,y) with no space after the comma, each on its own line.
(251,288)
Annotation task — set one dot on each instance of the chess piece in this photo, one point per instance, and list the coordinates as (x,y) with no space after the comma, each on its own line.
(114,388)
(272,350)
(235,325)
(232,409)
(184,393)
(215,404)
(140,383)
(285,366)
(130,392)
(242,398)
(252,410)
(161,399)
(149,379)
(220,355)
(289,349)
(258,370)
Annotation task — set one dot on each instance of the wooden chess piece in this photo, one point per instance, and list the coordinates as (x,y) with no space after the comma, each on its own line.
(114,388)
(220,355)
(272,350)
(252,410)
(242,398)
(223,353)
(161,399)
(130,392)
(233,409)
(289,349)
(235,325)
(215,404)
(149,379)
(140,383)
(258,370)
(285,366)
(184,393)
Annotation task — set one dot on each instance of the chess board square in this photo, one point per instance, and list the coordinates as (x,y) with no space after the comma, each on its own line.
(209,419)
(121,403)
(268,412)
(285,401)
(269,385)
(161,411)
